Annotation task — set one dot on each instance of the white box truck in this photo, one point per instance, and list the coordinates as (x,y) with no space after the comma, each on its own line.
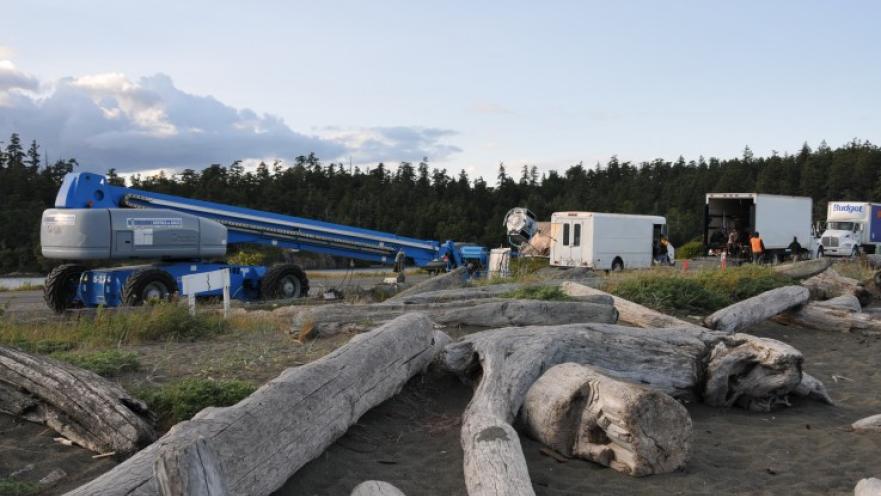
(777,218)
(604,241)
(851,228)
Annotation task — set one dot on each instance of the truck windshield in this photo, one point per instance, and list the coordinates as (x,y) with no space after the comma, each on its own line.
(841,226)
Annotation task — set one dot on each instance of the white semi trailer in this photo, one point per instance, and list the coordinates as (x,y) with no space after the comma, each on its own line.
(604,241)
(851,228)
(777,218)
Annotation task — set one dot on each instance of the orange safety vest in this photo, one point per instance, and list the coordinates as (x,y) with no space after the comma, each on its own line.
(755,244)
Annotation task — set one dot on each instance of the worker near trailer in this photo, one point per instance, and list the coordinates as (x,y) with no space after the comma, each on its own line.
(733,237)
(757,247)
(662,254)
(795,249)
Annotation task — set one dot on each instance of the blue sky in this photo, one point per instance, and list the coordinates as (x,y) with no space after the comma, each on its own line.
(470,84)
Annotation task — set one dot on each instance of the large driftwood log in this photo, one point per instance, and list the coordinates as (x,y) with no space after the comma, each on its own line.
(376,488)
(842,314)
(628,311)
(766,372)
(753,310)
(580,412)
(868,487)
(829,284)
(528,312)
(189,470)
(80,405)
(455,278)
(803,269)
(469,293)
(868,424)
(262,440)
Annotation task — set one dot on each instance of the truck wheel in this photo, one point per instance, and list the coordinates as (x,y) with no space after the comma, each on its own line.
(617,264)
(59,289)
(146,285)
(284,281)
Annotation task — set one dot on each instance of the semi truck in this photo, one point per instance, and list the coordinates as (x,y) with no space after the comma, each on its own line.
(96,220)
(604,241)
(852,228)
(778,219)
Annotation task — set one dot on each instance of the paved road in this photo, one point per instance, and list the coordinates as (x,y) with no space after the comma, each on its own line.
(22,300)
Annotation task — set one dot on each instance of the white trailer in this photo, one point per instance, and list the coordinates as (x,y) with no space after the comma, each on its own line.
(604,241)
(777,218)
(851,228)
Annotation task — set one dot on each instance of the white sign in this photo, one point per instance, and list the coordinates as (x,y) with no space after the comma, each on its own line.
(143,237)
(193,284)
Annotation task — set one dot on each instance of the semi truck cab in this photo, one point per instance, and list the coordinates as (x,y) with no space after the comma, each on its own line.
(851,228)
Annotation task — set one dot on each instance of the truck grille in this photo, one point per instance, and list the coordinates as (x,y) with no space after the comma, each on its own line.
(829,241)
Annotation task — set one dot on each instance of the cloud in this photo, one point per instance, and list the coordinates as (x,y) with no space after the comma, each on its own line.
(490,108)
(398,143)
(109,120)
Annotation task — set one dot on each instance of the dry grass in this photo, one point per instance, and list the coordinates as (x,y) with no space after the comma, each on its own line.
(858,269)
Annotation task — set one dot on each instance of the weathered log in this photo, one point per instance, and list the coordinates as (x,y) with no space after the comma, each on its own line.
(628,311)
(841,314)
(80,405)
(803,269)
(528,312)
(829,284)
(753,310)
(580,412)
(455,278)
(376,488)
(469,293)
(868,487)
(811,387)
(189,470)
(328,320)
(868,424)
(753,373)
(262,440)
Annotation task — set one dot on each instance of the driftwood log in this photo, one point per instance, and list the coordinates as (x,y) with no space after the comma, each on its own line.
(580,412)
(868,424)
(262,440)
(80,405)
(455,278)
(528,312)
(841,314)
(829,284)
(628,311)
(469,293)
(803,269)
(376,488)
(753,310)
(189,470)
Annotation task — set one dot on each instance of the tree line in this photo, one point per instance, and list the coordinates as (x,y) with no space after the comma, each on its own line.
(418,200)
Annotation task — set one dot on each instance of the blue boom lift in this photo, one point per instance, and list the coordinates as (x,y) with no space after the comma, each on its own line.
(95,220)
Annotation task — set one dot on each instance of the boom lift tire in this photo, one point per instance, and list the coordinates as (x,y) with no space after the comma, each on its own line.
(59,289)
(284,281)
(149,284)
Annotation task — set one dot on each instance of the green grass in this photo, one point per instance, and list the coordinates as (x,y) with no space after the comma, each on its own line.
(109,363)
(151,323)
(180,400)
(538,293)
(700,291)
(14,487)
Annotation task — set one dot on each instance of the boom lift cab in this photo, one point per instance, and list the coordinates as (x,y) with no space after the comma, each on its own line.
(94,220)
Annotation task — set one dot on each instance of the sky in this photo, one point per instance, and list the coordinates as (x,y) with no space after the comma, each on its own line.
(139,86)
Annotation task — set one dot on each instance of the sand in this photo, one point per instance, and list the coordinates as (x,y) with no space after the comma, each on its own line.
(412,441)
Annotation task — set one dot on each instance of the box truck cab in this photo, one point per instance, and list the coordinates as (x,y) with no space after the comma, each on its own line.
(851,228)
(604,241)
(777,218)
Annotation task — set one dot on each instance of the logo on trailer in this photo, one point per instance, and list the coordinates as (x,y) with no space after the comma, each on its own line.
(147,223)
(847,208)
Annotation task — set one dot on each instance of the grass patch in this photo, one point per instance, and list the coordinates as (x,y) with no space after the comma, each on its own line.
(539,293)
(701,291)
(107,363)
(105,328)
(856,269)
(180,400)
(13,487)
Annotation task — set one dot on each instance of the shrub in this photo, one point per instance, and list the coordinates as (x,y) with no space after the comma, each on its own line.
(179,401)
(739,283)
(692,249)
(246,257)
(106,363)
(538,293)
(668,291)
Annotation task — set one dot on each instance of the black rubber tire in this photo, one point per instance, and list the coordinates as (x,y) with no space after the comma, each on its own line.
(272,287)
(137,287)
(617,265)
(59,289)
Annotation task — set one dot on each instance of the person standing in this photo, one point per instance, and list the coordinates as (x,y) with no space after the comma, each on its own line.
(757,247)
(795,249)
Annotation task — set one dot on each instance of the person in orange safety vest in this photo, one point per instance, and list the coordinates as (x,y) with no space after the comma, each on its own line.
(757,246)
